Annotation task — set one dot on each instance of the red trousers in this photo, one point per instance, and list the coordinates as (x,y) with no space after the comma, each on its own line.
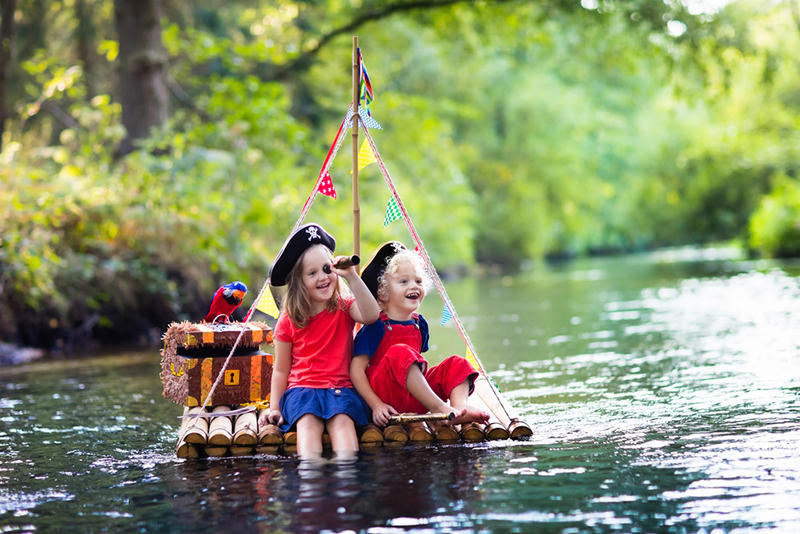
(388,378)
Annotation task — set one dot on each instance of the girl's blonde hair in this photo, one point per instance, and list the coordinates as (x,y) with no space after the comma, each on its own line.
(401,257)
(297,303)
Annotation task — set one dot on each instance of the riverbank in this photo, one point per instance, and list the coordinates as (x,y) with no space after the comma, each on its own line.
(15,355)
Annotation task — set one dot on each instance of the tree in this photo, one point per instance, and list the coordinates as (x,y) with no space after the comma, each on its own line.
(7,9)
(142,64)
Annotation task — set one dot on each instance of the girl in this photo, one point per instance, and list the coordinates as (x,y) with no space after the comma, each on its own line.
(314,343)
(388,370)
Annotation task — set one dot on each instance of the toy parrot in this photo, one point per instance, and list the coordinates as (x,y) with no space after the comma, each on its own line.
(226,299)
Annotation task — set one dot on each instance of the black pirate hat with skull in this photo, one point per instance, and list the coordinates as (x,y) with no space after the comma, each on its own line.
(301,240)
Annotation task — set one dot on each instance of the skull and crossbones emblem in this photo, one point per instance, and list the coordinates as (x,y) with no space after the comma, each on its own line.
(312,233)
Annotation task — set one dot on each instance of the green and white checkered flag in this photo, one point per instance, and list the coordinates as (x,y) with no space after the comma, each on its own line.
(392,212)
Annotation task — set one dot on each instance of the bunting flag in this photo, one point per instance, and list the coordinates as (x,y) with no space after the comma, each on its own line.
(367,121)
(446,314)
(473,361)
(267,304)
(365,85)
(365,156)
(392,212)
(326,186)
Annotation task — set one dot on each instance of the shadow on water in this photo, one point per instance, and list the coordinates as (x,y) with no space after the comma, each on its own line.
(664,394)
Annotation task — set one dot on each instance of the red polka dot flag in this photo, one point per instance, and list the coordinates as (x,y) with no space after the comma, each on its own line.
(326,186)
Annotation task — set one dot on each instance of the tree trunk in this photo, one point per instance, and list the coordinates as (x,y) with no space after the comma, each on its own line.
(142,88)
(7,9)
(85,36)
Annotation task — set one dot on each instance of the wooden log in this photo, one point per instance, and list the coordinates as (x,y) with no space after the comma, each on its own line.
(241,450)
(245,430)
(370,436)
(519,430)
(267,449)
(502,409)
(394,436)
(472,432)
(326,441)
(214,450)
(419,433)
(187,450)
(270,435)
(494,429)
(444,433)
(193,430)
(290,438)
(220,430)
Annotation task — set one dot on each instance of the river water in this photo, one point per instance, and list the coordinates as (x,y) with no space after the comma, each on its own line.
(663,391)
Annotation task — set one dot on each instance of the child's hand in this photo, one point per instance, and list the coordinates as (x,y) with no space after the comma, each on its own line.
(381,414)
(344,273)
(275,417)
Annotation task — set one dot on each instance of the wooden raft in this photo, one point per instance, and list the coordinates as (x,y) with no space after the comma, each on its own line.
(240,435)
(192,360)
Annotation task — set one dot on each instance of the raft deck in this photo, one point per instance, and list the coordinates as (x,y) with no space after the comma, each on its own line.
(240,435)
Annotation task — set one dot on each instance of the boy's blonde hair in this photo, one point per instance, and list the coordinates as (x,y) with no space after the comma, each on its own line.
(297,303)
(401,257)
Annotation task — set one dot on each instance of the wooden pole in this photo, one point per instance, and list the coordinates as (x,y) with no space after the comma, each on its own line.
(404,418)
(356,208)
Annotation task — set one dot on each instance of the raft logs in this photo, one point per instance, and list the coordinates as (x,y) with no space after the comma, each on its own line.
(240,435)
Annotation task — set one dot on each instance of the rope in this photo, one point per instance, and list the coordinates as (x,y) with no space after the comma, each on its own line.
(337,143)
(325,168)
(429,264)
(334,150)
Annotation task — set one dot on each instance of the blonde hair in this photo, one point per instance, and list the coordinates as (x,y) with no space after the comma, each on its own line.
(400,258)
(297,303)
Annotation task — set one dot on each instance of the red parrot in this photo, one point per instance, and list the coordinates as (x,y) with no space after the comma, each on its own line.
(226,299)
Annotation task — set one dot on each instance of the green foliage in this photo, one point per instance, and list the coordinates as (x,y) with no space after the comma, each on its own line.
(91,243)
(775,226)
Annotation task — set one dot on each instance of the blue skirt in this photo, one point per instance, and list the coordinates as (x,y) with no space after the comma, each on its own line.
(324,403)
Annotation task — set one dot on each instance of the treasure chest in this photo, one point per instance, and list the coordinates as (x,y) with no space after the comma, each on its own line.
(194,355)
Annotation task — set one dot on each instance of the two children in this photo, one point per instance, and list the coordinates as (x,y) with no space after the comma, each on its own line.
(312,371)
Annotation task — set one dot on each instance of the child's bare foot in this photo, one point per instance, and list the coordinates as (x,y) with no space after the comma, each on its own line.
(470,414)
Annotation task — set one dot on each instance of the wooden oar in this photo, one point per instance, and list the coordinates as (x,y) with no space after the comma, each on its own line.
(405,418)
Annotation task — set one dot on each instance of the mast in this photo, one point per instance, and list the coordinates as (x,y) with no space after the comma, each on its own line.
(356,208)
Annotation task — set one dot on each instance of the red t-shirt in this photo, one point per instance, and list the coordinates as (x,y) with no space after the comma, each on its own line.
(321,351)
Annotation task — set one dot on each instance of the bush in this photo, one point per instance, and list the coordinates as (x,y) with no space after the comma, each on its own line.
(775,226)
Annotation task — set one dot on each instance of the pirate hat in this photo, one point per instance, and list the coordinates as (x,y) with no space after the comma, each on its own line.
(301,240)
(378,263)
